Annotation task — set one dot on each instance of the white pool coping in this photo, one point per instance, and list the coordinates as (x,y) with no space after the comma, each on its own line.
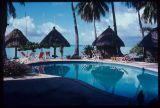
(148,66)
(37,76)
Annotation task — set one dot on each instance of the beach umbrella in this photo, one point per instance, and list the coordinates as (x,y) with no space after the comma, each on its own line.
(149,84)
(106,76)
(54,39)
(109,39)
(150,41)
(15,39)
(58,70)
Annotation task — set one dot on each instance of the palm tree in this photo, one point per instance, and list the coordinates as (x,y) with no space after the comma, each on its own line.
(4,6)
(138,6)
(76,52)
(150,12)
(92,11)
(114,18)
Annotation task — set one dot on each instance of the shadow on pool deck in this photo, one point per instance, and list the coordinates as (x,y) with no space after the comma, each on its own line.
(57,92)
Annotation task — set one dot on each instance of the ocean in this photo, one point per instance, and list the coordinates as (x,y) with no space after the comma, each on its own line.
(67,51)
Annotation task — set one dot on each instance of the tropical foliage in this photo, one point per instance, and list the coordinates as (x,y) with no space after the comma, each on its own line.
(150,12)
(30,46)
(13,68)
(88,50)
(92,11)
(137,50)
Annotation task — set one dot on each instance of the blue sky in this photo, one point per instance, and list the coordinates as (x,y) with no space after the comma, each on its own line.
(41,17)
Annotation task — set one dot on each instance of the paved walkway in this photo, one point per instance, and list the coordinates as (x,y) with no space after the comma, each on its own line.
(57,91)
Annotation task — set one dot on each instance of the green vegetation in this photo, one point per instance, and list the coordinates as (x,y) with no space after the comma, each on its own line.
(88,50)
(137,50)
(30,46)
(13,68)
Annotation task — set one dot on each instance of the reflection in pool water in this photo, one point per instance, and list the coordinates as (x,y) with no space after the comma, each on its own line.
(116,79)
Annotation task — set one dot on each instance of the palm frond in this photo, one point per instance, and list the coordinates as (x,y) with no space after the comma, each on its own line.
(11,9)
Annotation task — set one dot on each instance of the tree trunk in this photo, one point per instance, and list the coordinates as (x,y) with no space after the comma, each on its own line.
(142,31)
(54,52)
(94,28)
(114,18)
(76,52)
(15,57)
(3,26)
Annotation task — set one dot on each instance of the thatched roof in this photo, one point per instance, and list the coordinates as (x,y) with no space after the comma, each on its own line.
(54,39)
(108,38)
(15,39)
(150,40)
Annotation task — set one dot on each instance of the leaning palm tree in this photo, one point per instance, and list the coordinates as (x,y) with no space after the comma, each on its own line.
(92,11)
(76,52)
(138,6)
(4,6)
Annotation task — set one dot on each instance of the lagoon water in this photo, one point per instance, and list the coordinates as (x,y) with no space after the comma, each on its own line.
(67,51)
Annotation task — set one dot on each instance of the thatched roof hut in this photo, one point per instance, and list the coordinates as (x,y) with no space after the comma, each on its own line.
(108,38)
(54,39)
(109,43)
(15,39)
(150,42)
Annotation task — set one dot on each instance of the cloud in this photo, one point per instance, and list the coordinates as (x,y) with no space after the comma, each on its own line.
(34,32)
(22,24)
(127,23)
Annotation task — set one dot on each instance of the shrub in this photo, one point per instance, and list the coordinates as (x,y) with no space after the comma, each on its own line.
(88,50)
(137,50)
(13,68)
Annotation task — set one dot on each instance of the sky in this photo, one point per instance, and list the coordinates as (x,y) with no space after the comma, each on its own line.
(37,19)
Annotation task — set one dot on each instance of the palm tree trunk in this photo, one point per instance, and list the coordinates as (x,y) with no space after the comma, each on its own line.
(15,57)
(94,28)
(115,25)
(76,52)
(3,26)
(140,24)
(54,52)
(114,18)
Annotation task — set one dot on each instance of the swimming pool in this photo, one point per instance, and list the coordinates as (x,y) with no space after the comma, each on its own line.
(116,79)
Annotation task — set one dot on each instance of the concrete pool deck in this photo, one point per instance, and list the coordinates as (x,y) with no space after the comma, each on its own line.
(50,90)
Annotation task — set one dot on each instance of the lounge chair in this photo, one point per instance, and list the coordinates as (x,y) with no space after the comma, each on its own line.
(85,56)
(96,55)
(113,58)
(24,59)
(41,56)
(47,55)
(126,58)
(31,56)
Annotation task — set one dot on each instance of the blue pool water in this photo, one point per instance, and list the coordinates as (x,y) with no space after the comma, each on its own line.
(113,78)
